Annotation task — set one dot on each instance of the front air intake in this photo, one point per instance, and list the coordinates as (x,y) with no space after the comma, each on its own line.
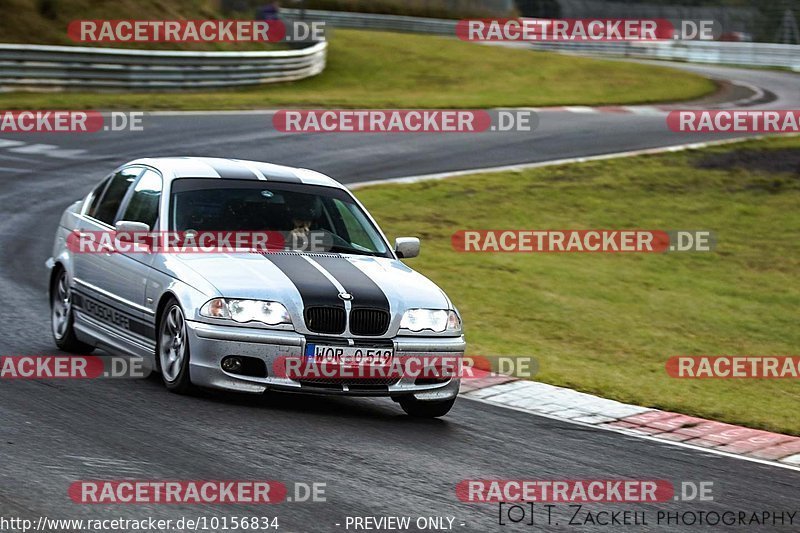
(326,320)
(369,322)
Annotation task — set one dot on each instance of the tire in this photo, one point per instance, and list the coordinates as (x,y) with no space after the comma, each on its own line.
(62,319)
(172,349)
(422,409)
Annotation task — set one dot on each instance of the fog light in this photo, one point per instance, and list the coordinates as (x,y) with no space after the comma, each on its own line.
(232,364)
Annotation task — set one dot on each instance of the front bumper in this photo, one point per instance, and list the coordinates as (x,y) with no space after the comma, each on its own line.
(210,343)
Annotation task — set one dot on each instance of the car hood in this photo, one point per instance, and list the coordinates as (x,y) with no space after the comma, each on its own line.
(303,279)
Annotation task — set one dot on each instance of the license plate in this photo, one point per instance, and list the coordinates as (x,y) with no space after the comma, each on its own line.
(348,355)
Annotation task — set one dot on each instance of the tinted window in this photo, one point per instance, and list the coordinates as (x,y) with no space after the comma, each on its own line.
(143,205)
(239,205)
(94,197)
(354,223)
(114,194)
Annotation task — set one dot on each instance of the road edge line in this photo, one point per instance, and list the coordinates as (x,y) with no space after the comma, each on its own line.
(603,425)
(650,438)
(555,162)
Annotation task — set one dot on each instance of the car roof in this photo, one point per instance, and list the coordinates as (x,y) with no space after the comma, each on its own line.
(214,167)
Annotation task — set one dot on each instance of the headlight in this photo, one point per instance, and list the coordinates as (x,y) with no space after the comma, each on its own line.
(271,313)
(436,320)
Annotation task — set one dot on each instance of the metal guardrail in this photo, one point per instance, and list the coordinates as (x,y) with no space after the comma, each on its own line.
(723,53)
(716,52)
(109,68)
(371,21)
(23,65)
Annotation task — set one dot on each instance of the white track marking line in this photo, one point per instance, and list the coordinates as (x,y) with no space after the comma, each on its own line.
(6,143)
(792,460)
(581,109)
(644,110)
(49,150)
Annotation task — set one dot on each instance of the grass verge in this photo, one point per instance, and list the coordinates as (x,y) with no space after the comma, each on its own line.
(389,70)
(605,323)
(45,21)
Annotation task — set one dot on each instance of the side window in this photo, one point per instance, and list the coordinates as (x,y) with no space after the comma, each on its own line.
(143,205)
(94,197)
(355,231)
(115,192)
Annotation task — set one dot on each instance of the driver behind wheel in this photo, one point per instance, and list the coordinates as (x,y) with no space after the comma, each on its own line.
(304,210)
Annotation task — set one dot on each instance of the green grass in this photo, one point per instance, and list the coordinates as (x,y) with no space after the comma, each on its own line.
(389,70)
(45,21)
(605,323)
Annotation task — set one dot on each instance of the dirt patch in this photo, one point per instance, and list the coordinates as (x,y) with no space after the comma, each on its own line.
(783,160)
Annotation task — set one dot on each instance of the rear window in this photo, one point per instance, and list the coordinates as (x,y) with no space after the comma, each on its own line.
(112,197)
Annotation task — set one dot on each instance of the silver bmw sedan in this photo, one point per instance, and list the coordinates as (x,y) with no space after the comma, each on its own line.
(307,296)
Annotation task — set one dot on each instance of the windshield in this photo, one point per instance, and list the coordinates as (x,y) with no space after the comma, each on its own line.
(214,205)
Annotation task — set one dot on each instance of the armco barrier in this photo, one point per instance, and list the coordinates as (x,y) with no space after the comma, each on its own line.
(74,66)
(23,65)
(370,21)
(723,53)
(716,52)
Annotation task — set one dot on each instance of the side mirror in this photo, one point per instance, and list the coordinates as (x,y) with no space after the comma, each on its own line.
(125,230)
(406,247)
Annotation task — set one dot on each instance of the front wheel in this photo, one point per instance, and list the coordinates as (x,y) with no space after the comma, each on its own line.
(173,349)
(423,409)
(62,319)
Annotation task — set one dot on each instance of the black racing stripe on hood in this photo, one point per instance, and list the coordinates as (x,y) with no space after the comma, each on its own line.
(314,288)
(232,170)
(272,174)
(366,293)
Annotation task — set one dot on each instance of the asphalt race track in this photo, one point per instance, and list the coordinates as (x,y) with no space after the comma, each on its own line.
(375,461)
